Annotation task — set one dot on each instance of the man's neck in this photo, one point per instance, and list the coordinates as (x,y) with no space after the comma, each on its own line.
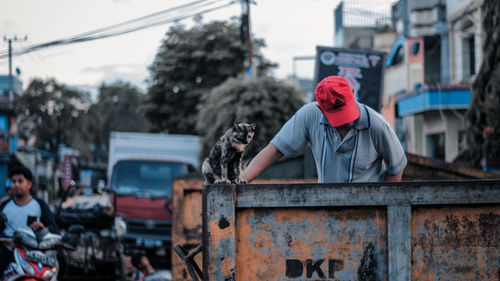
(343,131)
(23,200)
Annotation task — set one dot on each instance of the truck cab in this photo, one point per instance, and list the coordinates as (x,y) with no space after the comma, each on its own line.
(141,170)
(144,195)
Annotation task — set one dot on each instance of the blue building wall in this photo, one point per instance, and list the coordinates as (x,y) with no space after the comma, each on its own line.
(434,100)
(4,85)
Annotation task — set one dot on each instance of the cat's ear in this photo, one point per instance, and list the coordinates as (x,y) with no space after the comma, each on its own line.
(235,126)
(252,126)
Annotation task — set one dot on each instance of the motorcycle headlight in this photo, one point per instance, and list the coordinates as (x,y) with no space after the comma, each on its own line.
(24,264)
(49,273)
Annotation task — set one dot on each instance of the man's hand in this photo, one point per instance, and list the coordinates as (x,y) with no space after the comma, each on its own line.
(36,225)
(264,159)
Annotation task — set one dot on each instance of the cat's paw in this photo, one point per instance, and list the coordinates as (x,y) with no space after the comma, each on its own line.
(238,181)
(223,182)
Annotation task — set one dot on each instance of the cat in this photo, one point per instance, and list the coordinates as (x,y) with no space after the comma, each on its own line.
(223,164)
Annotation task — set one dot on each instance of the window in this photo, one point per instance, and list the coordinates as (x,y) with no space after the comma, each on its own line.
(143,176)
(398,58)
(472,55)
(435,146)
(469,57)
(468,50)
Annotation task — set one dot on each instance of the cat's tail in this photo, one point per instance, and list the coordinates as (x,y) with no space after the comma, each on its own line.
(207,171)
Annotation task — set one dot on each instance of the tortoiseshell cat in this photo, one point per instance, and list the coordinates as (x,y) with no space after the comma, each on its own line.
(223,164)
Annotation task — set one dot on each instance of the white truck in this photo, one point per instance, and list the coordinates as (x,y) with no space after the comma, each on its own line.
(125,145)
(141,168)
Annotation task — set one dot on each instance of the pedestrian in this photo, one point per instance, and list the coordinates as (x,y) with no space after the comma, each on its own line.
(350,141)
(142,266)
(23,212)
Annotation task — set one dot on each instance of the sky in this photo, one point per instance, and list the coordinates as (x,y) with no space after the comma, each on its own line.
(291,28)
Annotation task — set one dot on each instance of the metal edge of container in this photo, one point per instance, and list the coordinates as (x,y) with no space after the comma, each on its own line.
(398,197)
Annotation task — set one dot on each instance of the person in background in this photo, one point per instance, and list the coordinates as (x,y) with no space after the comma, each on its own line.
(142,265)
(23,211)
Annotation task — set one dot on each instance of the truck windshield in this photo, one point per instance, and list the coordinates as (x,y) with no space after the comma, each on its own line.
(151,178)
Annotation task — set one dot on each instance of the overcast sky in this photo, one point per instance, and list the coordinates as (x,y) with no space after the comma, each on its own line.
(290,28)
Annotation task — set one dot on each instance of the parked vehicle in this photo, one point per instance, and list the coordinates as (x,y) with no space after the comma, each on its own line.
(89,224)
(141,169)
(34,254)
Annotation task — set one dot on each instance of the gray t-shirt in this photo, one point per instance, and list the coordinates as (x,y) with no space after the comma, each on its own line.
(21,216)
(368,151)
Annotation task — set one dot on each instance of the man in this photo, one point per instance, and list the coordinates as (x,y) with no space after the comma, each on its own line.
(143,267)
(350,141)
(23,211)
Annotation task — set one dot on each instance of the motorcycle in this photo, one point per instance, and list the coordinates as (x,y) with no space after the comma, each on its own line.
(90,225)
(34,255)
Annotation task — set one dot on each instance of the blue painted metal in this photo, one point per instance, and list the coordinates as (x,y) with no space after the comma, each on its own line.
(4,85)
(13,144)
(400,42)
(3,122)
(434,100)
(4,160)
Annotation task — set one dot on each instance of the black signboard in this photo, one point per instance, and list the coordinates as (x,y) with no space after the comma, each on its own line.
(363,69)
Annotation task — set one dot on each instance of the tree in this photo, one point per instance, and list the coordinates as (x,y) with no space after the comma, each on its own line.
(190,62)
(262,100)
(117,109)
(51,110)
(483,116)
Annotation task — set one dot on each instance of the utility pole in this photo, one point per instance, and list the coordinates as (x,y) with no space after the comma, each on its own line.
(11,79)
(245,29)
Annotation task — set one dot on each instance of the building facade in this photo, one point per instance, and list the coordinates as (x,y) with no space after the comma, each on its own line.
(428,74)
(17,87)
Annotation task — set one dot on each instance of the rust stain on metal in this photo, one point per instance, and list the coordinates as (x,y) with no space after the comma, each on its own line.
(187,218)
(456,243)
(186,222)
(223,223)
(311,244)
(221,237)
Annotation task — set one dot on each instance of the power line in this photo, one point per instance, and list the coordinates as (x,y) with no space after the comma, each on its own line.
(87,36)
(103,29)
(90,35)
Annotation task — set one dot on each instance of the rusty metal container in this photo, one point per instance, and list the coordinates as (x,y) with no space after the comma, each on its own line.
(187,218)
(186,221)
(442,230)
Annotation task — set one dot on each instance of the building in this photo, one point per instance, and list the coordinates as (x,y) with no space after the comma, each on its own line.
(8,127)
(464,18)
(17,87)
(359,28)
(428,72)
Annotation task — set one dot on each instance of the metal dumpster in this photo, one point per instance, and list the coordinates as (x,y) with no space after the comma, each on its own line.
(441,230)
(187,218)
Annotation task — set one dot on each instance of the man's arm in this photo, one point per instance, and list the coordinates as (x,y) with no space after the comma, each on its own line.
(47,219)
(396,177)
(264,159)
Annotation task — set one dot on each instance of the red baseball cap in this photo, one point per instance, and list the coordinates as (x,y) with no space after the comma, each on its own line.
(336,100)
